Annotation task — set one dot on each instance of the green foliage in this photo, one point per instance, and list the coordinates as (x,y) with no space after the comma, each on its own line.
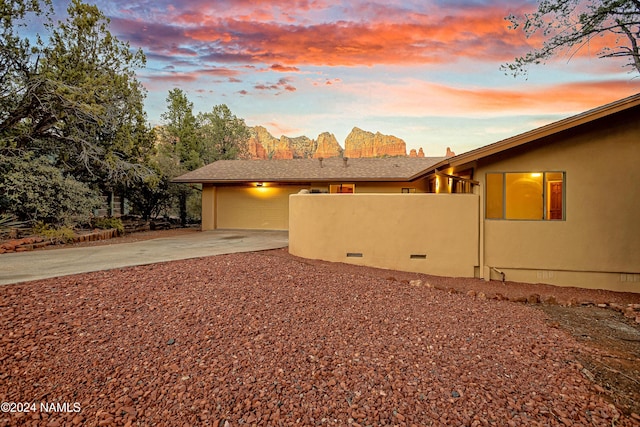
(73,98)
(155,195)
(186,143)
(223,135)
(194,207)
(60,235)
(182,129)
(109,223)
(32,189)
(570,25)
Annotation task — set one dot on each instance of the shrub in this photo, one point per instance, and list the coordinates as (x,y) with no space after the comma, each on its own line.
(35,190)
(62,234)
(109,223)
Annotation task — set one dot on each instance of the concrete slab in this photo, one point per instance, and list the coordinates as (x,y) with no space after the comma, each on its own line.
(26,266)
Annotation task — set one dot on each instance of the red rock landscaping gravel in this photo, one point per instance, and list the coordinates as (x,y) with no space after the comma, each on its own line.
(265,339)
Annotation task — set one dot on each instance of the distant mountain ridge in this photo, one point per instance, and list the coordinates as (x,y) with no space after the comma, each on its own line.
(359,143)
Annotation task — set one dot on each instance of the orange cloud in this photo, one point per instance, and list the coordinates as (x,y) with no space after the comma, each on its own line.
(417,98)
(481,33)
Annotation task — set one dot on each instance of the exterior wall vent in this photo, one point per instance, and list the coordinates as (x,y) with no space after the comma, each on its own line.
(354,254)
(418,256)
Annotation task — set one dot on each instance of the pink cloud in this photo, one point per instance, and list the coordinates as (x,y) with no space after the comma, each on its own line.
(417,98)
(283,69)
(282,84)
(391,36)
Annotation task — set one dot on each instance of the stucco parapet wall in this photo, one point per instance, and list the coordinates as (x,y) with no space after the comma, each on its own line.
(425,233)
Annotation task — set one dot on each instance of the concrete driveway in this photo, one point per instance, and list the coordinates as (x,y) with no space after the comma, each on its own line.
(26,266)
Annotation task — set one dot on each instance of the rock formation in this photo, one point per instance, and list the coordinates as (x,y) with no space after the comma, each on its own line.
(360,143)
(301,147)
(282,150)
(414,153)
(449,153)
(262,144)
(327,146)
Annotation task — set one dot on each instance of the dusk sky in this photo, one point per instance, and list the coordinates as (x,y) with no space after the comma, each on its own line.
(426,71)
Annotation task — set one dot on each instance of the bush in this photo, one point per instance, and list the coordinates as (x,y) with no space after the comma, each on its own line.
(62,234)
(33,189)
(109,223)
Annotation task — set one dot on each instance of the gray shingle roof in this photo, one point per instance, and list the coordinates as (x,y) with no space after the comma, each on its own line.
(310,170)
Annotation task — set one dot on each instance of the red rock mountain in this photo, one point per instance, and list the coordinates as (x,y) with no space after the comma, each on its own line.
(359,143)
(327,146)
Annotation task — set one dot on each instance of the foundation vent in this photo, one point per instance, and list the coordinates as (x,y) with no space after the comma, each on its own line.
(418,256)
(354,254)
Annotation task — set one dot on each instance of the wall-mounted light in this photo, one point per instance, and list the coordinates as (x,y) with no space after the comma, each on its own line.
(259,184)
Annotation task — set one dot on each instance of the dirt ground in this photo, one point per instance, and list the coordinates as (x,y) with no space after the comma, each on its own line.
(610,351)
(612,359)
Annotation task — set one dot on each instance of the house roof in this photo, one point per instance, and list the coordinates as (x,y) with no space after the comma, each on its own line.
(541,132)
(312,170)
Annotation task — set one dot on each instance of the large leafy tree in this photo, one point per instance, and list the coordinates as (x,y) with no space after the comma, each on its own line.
(187,142)
(224,136)
(181,129)
(181,144)
(74,97)
(570,25)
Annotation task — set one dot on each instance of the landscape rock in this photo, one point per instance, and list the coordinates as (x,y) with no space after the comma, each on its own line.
(269,339)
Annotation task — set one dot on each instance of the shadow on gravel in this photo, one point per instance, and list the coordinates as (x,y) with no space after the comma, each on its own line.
(613,359)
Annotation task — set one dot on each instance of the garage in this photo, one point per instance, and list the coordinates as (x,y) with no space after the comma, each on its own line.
(262,207)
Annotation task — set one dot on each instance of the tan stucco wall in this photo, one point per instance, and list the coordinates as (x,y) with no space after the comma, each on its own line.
(387,229)
(598,245)
(266,207)
(251,207)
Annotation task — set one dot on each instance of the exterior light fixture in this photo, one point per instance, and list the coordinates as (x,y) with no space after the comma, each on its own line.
(259,184)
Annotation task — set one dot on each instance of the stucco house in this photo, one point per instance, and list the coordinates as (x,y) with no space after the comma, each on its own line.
(559,204)
(254,194)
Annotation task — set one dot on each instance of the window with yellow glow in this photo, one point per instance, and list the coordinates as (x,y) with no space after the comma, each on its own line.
(342,188)
(525,196)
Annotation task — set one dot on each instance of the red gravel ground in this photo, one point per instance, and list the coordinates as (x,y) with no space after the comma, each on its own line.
(269,339)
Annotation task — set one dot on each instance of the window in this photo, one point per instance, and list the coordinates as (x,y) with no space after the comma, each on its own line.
(525,195)
(342,188)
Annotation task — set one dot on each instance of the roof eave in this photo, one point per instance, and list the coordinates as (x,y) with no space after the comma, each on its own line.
(296,180)
(541,132)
